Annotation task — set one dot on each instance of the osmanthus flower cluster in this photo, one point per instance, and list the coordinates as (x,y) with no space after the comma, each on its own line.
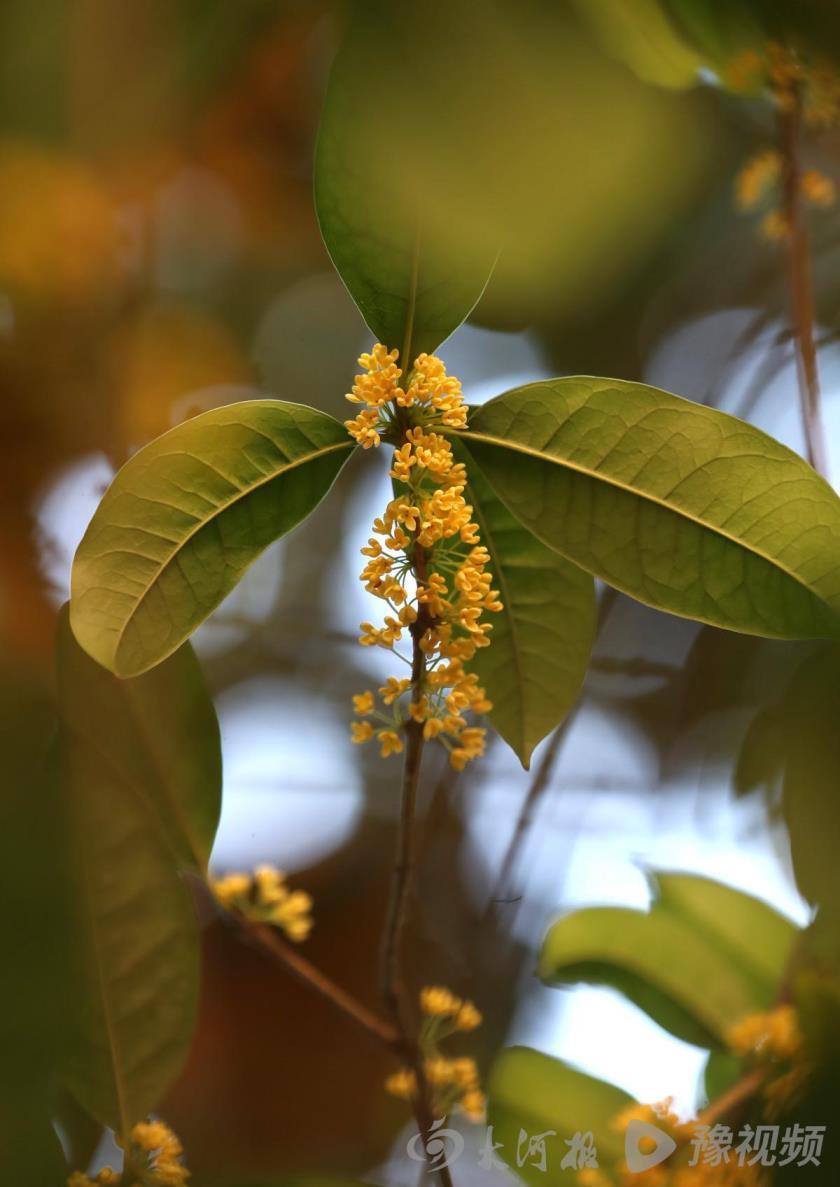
(726,1173)
(453,1081)
(152,1159)
(265,897)
(773,1042)
(425,561)
(788,76)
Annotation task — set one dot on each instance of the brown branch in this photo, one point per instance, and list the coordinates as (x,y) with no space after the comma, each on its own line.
(394,990)
(270,942)
(800,283)
(731,1101)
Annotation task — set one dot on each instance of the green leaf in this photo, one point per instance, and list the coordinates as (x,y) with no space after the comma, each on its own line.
(695,962)
(387,146)
(156,734)
(685,508)
(134,981)
(531,1091)
(756,935)
(187,515)
(541,641)
(810,743)
(640,33)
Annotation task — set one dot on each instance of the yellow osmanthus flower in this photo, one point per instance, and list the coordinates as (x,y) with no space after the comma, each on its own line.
(674,1172)
(154,1154)
(426,560)
(774,1035)
(774,1040)
(788,76)
(453,1082)
(757,177)
(265,897)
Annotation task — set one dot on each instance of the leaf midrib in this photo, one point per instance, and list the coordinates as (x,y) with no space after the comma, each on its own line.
(220,509)
(597,475)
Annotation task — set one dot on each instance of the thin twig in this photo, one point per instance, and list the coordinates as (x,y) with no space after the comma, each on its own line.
(736,1096)
(267,940)
(801,289)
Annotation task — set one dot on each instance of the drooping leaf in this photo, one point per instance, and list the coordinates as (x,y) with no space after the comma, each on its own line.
(186,516)
(156,734)
(541,641)
(389,142)
(809,742)
(681,506)
(134,976)
(692,962)
(792,742)
(530,1091)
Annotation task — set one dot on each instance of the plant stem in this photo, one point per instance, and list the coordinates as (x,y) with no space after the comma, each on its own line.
(800,283)
(266,938)
(394,990)
(734,1097)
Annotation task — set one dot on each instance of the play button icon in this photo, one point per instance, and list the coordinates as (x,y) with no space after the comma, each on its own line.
(646,1146)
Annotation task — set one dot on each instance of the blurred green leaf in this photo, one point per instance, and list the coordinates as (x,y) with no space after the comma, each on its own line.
(692,962)
(722,1071)
(721,29)
(35,933)
(796,737)
(156,734)
(810,742)
(531,1091)
(641,34)
(136,968)
(383,143)
(187,515)
(683,507)
(534,671)
(755,934)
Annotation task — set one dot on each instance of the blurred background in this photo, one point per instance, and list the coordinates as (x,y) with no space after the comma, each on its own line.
(159,255)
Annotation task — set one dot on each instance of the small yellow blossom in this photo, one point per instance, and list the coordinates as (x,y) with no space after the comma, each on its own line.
(363,703)
(771,1035)
(818,189)
(439,1002)
(265,897)
(402,1084)
(774,226)
(468,1017)
(390,742)
(757,178)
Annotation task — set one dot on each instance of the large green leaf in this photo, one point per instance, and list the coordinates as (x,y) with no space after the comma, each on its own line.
(388,150)
(695,962)
(532,1092)
(137,971)
(683,507)
(541,641)
(156,734)
(134,978)
(186,516)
